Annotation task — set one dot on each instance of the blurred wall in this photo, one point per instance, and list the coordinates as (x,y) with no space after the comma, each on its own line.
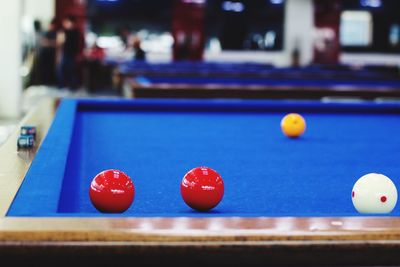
(298,40)
(11,57)
(299,29)
(42,10)
(17,24)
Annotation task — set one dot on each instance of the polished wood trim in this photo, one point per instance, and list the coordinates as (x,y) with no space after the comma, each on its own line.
(133,88)
(235,229)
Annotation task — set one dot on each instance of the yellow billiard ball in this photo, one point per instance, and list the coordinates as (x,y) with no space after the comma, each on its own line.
(293,125)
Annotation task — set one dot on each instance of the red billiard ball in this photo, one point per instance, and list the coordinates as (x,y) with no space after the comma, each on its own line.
(202,188)
(112,191)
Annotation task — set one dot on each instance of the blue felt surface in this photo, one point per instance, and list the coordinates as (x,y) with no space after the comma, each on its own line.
(40,190)
(374,84)
(265,174)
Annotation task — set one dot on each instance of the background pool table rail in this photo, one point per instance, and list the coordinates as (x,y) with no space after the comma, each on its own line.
(134,88)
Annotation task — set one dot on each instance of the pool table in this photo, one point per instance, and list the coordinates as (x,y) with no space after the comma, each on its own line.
(249,70)
(259,88)
(192,69)
(287,201)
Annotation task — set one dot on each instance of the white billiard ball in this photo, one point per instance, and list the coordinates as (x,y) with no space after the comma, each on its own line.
(374,193)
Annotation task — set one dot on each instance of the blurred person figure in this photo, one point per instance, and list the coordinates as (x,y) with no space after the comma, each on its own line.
(34,78)
(183,47)
(95,53)
(47,55)
(140,55)
(96,76)
(126,37)
(69,43)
